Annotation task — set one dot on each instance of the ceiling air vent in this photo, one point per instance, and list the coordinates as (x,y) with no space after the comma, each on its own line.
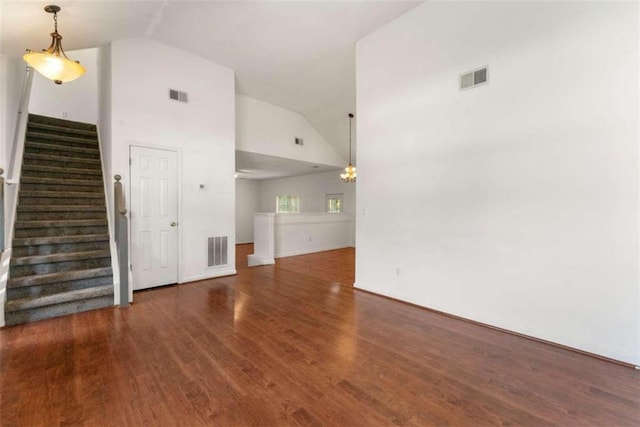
(474,78)
(178,96)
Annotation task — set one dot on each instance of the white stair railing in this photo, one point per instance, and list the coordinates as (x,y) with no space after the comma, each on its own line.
(11,185)
(121,229)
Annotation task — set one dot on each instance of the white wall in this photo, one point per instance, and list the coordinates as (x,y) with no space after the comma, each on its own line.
(247,204)
(103,67)
(78,99)
(266,129)
(312,190)
(304,233)
(515,203)
(15,76)
(202,130)
(3,110)
(103,62)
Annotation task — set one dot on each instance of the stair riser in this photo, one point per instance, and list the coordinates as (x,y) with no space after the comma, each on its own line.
(23,201)
(35,216)
(46,155)
(35,118)
(58,267)
(71,163)
(35,128)
(63,187)
(54,288)
(59,231)
(20,251)
(34,173)
(54,150)
(41,313)
(19,282)
(53,140)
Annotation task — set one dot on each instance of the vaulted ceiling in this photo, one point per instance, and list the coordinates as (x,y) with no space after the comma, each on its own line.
(299,55)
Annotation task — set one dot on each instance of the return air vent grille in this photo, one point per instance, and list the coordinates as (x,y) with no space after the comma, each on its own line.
(216,251)
(474,78)
(178,95)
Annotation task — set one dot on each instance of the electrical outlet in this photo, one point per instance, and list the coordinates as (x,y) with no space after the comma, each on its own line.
(64,114)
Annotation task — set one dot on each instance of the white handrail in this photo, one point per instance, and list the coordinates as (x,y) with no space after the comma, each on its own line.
(17,151)
(13,174)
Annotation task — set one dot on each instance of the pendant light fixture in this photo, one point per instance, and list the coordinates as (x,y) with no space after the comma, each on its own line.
(52,62)
(349,174)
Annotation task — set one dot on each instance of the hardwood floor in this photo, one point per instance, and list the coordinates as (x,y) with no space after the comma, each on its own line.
(272,347)
(336,266)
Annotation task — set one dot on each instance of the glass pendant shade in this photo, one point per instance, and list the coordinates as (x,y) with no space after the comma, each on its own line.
(52,62)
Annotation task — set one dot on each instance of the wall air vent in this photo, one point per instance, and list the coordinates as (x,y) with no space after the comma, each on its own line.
(474,78)
(216,251)
(178,96)
(299,141)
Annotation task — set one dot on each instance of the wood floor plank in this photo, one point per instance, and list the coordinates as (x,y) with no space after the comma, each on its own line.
(295,344)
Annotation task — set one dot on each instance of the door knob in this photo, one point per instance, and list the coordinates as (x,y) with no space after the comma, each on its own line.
(173,224)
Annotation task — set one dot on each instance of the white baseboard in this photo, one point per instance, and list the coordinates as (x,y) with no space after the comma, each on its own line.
(4,276)
(254,260)
(210,275)
(310,250)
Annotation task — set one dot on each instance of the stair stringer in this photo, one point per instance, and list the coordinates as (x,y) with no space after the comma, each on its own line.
(108,194)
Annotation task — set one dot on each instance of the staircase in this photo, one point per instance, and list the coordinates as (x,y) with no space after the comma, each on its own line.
(61,262)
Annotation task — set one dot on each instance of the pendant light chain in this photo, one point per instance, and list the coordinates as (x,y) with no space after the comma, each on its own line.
(350,118)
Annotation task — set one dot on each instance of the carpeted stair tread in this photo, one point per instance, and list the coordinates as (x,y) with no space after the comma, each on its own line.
(56,287)
(57,170)
(44,128)
(36,118)
(62,188)
(61,208)
(63,194)
(59,240)
(67,159)
(64,276)
(33,212)
(65,148)
(59,298)
(62,181)
(60,223)
(59,257)
(31,136)
(56,310)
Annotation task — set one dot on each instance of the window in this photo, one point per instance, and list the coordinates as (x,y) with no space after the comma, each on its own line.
(334,203)
(287,203)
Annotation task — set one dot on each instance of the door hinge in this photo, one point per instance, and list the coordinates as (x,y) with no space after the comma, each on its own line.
(129,161)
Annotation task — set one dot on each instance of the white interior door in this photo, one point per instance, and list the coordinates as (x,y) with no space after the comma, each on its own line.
(154,217)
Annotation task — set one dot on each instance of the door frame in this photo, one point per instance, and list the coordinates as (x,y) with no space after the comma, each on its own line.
(180,247)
